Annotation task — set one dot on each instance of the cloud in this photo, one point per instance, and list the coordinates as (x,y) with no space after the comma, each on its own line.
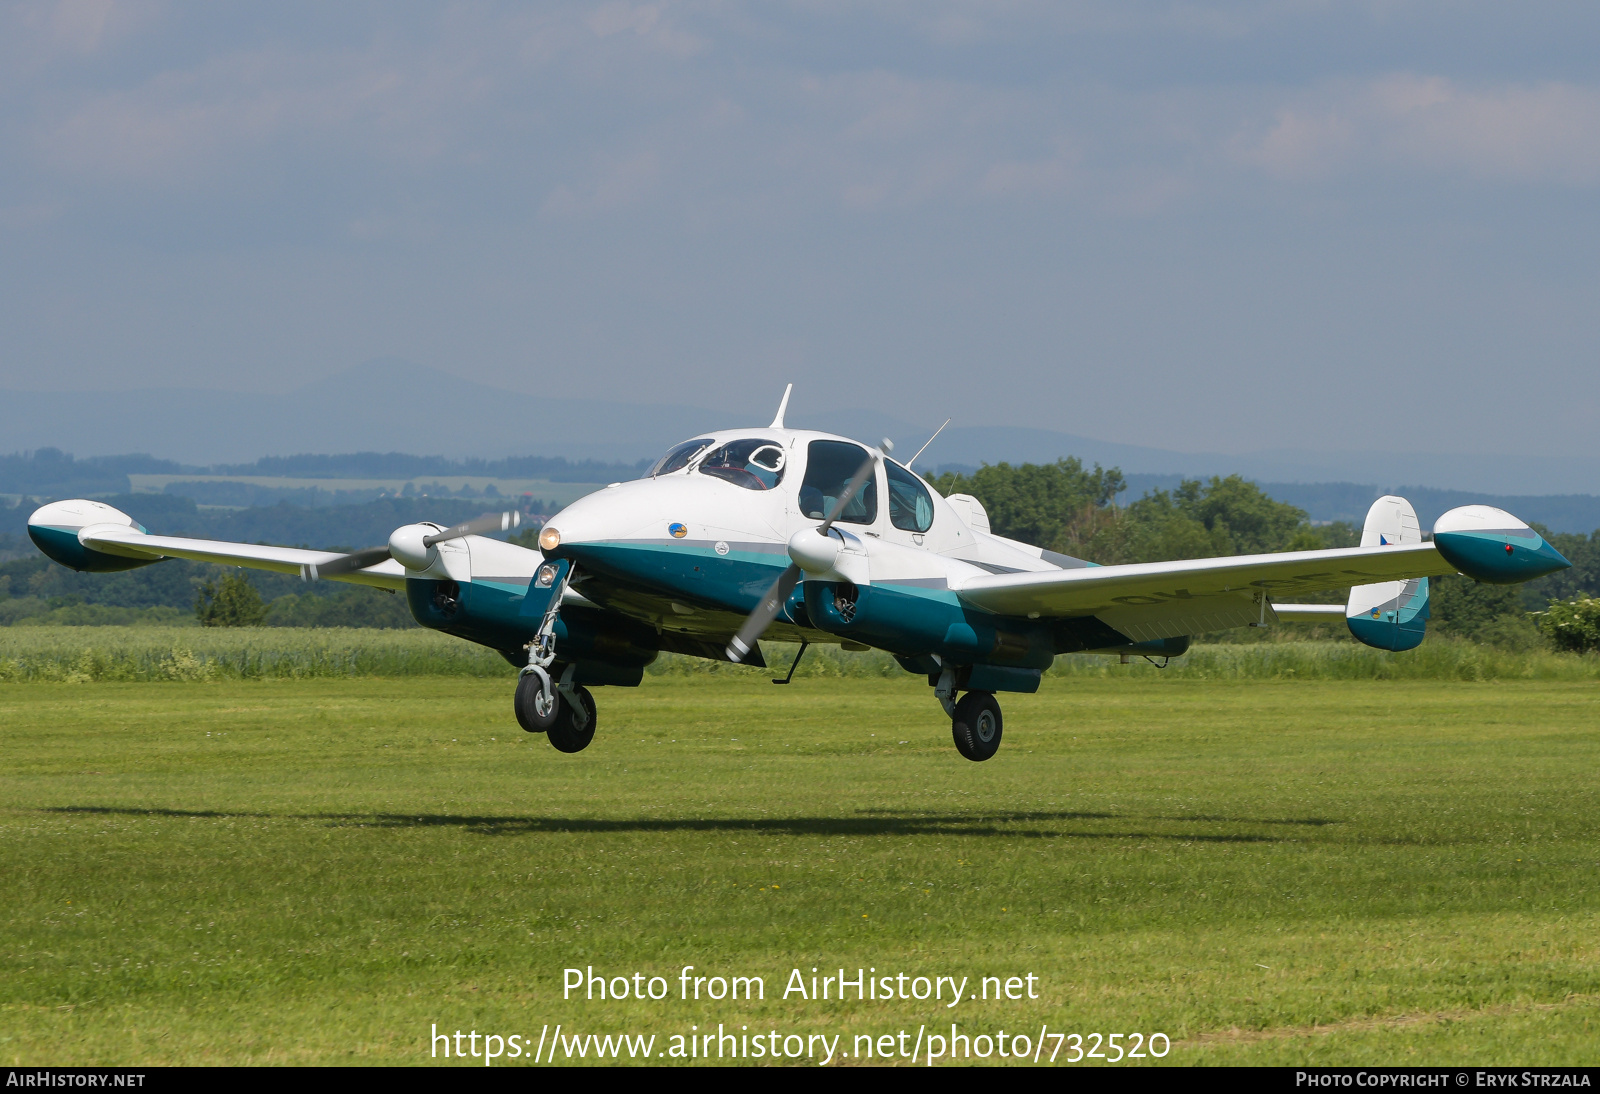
(1528,133)
(182,128)
(648,23)
(614,185)
(1051,175)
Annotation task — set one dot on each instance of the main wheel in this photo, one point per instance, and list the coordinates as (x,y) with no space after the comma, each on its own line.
(976,725)
(532,713)
(573,727)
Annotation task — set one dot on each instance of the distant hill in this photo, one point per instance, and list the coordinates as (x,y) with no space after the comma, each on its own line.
(52,474)
(388,405)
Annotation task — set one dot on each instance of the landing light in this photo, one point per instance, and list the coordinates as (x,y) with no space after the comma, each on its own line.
(549,539)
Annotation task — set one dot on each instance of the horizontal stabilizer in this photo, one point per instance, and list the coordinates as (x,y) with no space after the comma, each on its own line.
(1309,613)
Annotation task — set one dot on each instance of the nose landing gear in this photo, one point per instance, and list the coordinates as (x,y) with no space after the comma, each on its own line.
(564,712)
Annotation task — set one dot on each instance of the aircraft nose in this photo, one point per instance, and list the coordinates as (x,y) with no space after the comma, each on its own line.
(601,517)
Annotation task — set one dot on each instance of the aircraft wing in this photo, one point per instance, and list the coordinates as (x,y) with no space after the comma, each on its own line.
(1148,601)
(129,542)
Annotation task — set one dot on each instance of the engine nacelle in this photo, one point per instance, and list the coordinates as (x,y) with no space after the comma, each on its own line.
(910,625)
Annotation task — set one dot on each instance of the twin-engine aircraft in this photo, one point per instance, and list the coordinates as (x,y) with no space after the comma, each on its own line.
(811,538)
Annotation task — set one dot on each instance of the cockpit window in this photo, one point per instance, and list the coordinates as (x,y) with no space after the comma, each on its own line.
(829,467)
(752,462)
(910,507)
(678,457)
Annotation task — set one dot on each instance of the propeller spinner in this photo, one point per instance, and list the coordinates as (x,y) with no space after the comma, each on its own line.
(403,549)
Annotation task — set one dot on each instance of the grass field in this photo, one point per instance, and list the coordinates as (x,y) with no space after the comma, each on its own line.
(1278,871)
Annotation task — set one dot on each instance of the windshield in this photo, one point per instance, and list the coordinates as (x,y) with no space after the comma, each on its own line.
(753,463)
(678,457)
(829,467)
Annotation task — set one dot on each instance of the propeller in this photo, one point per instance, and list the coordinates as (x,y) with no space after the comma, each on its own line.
(756,624)
(371,556)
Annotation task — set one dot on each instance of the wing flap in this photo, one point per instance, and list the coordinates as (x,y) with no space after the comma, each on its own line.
(1151,622)
(1178,586)
(116,539)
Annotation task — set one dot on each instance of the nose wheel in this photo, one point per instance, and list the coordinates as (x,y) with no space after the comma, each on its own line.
(976,724)
(565,714)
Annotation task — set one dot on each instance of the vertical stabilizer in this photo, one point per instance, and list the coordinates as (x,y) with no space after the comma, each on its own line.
(1390,615)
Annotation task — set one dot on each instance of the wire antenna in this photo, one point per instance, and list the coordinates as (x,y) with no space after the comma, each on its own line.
(924,448)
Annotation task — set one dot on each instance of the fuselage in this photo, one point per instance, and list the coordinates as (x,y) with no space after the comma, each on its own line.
(676,560)
(692,547)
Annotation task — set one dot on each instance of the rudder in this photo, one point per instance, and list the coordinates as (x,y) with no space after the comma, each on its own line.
(1390,615)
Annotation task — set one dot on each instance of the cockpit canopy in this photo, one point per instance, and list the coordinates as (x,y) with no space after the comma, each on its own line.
(678,457)
(754,463)
(759,463)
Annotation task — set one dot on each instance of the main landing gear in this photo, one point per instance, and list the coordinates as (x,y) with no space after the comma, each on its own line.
(975,720)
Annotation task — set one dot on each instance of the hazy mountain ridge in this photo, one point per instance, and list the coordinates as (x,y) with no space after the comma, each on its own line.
(390,405)
(59,475)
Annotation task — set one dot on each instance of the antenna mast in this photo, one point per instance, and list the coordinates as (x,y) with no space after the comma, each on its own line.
(777,422)
(924,448)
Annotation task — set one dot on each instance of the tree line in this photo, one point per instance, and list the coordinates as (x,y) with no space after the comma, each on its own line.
(1067,507)
(1062,506)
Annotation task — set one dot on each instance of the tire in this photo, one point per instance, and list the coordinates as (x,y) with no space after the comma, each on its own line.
(527,707)
(976,725)
(573,727)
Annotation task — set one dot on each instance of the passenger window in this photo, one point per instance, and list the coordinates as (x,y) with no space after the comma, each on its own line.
(910,507)
(678,457)
(829,467)
(753,463)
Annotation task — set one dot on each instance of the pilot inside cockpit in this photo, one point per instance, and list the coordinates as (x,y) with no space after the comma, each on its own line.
(753,463)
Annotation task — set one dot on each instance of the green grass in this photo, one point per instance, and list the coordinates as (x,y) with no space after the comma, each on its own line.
(186,653)
(1271,872)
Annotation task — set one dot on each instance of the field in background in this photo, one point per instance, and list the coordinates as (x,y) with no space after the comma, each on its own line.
(1273,871)
(112,653)
(554,494)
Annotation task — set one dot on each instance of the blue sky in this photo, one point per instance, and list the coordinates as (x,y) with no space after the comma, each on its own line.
(1196,226)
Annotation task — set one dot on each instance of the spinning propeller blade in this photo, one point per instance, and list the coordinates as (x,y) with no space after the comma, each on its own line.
(347,564)
(489,522)
(766,611)
(757,622)
(371,556)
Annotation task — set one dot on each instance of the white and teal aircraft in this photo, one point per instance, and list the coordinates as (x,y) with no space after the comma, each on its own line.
(811,538)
